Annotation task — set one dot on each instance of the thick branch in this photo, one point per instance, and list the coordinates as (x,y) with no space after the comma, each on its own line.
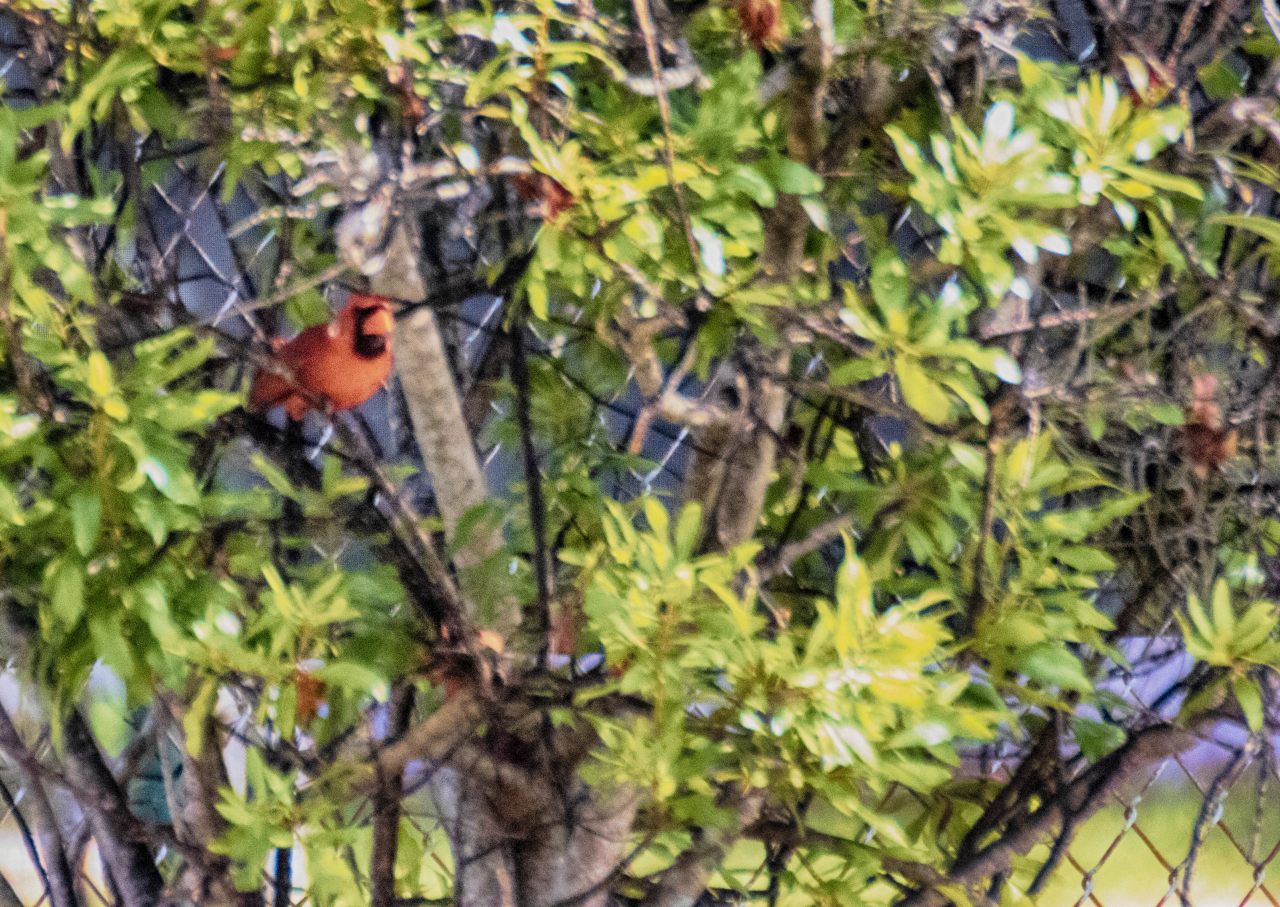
(787,223)
(635,337)
(128,859)
(1078,800)
(430,391)
(119,835)
(435,409)
(683,883)
(386,811)
(817,538)
(434,739)
(748,457)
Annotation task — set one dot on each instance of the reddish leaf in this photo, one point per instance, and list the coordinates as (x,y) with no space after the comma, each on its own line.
(311,695)
(761,22)
(1206,438)
(553,198)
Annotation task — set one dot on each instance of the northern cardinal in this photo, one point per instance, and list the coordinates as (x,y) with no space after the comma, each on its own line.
(342,363)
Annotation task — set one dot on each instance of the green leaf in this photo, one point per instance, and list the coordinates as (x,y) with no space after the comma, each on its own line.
(1200,622)
(1266,227)
(752,183)
(1250,698)
(275,476)
(1158,179)
(1224,78)
(1097,738)
(854,608)
(1053,664)
(86,515)
(121,69)
(1085,559)
(1096,423)
(1224,616)
(111,644)
(108,719)
(991,359)
(921,392)
(971,459)
(539,303)
(193,722)
(1006,368)
(851,371)
(353,676)
(151,516)
(66,590)
(688,529)
(656,515)
(793,177)
(170,477)
(1167,413)
(184,412)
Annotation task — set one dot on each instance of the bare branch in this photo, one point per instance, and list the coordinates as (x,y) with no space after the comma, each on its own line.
(683,883)
(386,810)
(127,857)
(995,327)
(818,537)
(1080,799)
(196,820)
(532,477)
(55,870)
(435,411)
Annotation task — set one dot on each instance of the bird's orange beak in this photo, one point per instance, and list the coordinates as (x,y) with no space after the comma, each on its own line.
(380,322)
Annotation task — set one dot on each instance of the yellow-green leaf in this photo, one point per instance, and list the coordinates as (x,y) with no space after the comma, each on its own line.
(100,383)
(921,392)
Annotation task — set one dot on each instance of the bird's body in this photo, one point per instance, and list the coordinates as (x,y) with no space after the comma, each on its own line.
(341,364)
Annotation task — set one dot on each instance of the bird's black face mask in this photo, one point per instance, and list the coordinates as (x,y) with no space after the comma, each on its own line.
(370,346)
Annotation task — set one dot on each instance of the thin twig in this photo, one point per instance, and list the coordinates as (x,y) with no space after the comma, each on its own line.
(644,16)
(998,328)
(978,592)
(819,536)
(1209,804)
(282,880)
(333,272)
(58,878)
(1083,797)
(28,839)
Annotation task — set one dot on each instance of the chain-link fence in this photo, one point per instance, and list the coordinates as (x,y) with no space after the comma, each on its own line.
(1201,828)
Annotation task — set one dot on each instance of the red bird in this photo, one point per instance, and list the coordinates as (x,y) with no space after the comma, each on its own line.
(342,363)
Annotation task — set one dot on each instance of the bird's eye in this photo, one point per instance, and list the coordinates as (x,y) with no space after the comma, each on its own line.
(371,345)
